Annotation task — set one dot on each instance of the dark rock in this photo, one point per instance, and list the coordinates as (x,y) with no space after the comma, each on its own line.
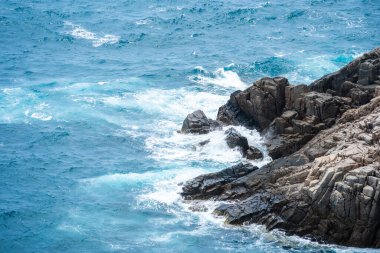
(231,114)
(198,123)
(294,92)
(367,73)
(254,153)
(280,124)
(285,144)
(328,190)
(363,70)
(235,139)
(209,185)
(256,106)
(359,97)
(303,127)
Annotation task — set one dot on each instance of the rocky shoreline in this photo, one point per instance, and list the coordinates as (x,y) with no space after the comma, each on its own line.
(324,181)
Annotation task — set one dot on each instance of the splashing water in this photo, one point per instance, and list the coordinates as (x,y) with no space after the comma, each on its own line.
(92,95)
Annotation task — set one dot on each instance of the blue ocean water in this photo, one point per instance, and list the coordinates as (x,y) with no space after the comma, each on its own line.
(92,94)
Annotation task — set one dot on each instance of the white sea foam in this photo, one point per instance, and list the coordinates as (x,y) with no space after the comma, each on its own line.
(178,103)
(10,91)
(41,116)
(220,77)
(121,178)
(161,191)
(142,22)
(81,33)
(185,147)
(167,191)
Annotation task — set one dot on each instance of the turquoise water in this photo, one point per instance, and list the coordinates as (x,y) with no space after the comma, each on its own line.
(91,96)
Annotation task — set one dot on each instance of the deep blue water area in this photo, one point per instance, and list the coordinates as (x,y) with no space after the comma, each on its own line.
(92,94)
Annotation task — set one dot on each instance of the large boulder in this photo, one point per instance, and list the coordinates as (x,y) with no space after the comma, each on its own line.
(198,123)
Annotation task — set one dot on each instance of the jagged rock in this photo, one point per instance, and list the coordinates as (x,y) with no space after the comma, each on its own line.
(359,97)
(325,139)
(231,114)
(209,185)
(294,92)
(363,71)
(235,139)
(254,153)
(198,123)
(258,105)
(329,189)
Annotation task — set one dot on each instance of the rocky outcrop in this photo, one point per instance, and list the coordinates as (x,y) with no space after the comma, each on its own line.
(254,153)
(324,181)
(235,140)
(362,74)
(257,105)
(207,186)
(291,115)
(329,189)
(198,123)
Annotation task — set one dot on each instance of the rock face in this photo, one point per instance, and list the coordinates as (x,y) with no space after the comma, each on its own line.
(362,74)
(198,123)
(324,181)
(291,115)
(329,189)
(257,105)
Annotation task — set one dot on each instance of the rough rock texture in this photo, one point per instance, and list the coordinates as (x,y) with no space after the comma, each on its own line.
(325,180)
(258,105)
(198,123)
(209,185)
(235,139)
(291,115)
(362,73)
(254,153)
(329,189)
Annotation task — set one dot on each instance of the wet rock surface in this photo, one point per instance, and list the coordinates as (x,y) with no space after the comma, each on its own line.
(198,123)
(325,141)
(329,189)
(211,185)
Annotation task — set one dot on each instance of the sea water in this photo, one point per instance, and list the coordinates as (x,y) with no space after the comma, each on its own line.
(92,94)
